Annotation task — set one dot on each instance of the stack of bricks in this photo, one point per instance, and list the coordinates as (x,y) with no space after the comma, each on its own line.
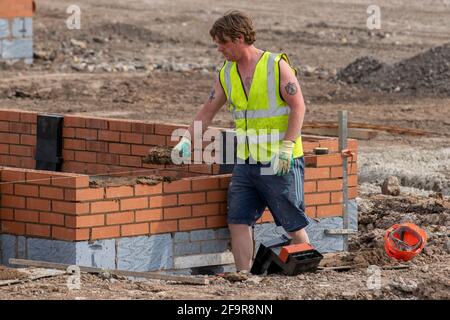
(62,205)
(16,30)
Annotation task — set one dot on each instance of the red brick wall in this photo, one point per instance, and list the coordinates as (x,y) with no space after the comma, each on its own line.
(63,206)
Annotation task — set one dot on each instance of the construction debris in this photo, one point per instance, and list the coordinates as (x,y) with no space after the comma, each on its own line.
(391,186)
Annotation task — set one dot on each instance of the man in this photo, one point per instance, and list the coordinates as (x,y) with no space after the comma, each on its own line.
(268,108)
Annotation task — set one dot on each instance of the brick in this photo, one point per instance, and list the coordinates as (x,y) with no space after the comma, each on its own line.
(51,218)
(154,140)
(329,211)
(167,129)
(225,182)
(51,193)
(27,163)
(177,212)
(4,28)
(105,232)
(144,189)
(337,197)
(120,125)
(16,8)
(352,181)
(86,156)
(68,132)
(119,148)
(130,161)
(332,145)
(200,168)
(72,166)
(211,209)
(216,196)
(107,158)
(120,218)
(26,215)
(177,186)
(13,201)
(10,138)
(148,215)
(38,230)
(352,192)
(310,186)
(38,204)
(13,227)
(191,224)
(6,214)
(10,115)
(163,226)
(134,229)
(191,198)
(84,194)
(26,190)
(142,127)
(88,134)
(317,173)
(138,150)
(68,155)
(85,221)
(309,146)
(4,148)
(329,185)
(4,126)
(68,234)
(6,188)
(26,139)
(18,127)
(106,135)
(267,217)
(127,137)
(310,211)
(119,192)
(327,160)
(74,144)
(163,201)
(25,151)
(70,207)
(317,198)
(205,184)
(12,175)
(71,182)
(28,117)
(96,123)
(104,206)
(39,178)
(216,221)
(134,203)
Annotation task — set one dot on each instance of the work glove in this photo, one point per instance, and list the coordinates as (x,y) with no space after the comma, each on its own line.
(284,160)
(182,149)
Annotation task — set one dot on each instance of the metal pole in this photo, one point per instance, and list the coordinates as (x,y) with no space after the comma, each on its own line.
(343,133)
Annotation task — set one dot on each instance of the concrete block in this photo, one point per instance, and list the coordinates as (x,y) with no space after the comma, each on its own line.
(21,247)
(97,254)
(51,250)
(181,237)
(202,235)
(22,27)
(223,233)
(8,248)
(322,242)
(353,214)
(4,28)
(212,246)
(265,232)
(145,253)
(201,260)
(183,249)
(16,49)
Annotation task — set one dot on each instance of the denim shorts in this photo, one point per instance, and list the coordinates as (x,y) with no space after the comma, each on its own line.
(250,192)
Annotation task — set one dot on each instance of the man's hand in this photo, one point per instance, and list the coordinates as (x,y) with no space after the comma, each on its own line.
(182,149)
(284,160)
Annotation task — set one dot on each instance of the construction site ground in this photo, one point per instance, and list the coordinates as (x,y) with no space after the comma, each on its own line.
(154,60)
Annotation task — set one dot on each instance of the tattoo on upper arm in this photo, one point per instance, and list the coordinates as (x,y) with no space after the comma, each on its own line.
(212,95)
(291,88)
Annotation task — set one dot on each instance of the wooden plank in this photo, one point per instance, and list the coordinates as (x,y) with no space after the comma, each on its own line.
(148,275)
(201,260)
(340,231)
(33,275)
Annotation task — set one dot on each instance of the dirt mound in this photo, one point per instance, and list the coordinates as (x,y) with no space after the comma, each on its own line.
(125,31)
(10,274)
(427,72)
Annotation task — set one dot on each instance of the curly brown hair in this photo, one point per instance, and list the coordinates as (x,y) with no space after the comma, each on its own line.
(233,24)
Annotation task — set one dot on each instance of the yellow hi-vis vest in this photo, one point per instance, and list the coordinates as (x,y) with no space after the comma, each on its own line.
(261,119)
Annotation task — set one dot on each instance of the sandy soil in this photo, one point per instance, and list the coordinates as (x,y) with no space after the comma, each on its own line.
(154,60)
